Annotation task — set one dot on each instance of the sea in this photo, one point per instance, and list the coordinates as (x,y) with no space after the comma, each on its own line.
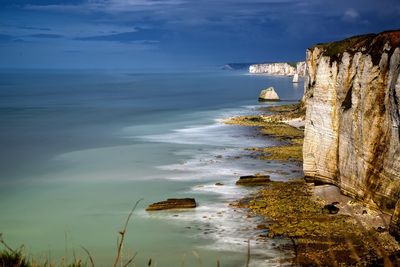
(78,148)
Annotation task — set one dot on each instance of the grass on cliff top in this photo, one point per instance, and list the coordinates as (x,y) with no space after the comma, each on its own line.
(350,44)
(372,44)
(320,239)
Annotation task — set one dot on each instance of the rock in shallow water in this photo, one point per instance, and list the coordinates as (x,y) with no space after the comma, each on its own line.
(173,203)
(268,94)
(253,180)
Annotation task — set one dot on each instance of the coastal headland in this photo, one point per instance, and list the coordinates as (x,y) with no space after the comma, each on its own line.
(316,218)
(345,210)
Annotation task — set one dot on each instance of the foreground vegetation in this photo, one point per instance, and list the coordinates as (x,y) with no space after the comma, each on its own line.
(10,257)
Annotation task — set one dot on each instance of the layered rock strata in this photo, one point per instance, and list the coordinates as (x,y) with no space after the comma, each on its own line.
(352,139)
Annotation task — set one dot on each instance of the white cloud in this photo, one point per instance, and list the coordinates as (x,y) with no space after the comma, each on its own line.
(351,15)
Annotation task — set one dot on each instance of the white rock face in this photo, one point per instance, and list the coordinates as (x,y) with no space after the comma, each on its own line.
(352,134)
(268,94)
(295,78)
(283,69)
(301,68)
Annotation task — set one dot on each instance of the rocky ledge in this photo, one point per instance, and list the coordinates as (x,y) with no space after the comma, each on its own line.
(321,233)
(253,180)
(173,203)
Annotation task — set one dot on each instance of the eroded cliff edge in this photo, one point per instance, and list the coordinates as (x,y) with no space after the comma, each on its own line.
(352,139)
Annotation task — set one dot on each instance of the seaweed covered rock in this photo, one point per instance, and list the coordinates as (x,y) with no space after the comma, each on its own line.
(173,203)
(253,180)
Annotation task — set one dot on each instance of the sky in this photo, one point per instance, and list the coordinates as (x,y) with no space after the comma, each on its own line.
(178,34)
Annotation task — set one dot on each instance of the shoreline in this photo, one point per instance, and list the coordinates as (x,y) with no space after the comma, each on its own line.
(288,139)
(355,233)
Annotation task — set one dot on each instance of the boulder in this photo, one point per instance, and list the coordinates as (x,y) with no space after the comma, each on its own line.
(173,203)
(253,180)
(268,94)
(331,209)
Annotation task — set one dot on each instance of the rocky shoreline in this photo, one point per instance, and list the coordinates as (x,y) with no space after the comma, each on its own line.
(325,227)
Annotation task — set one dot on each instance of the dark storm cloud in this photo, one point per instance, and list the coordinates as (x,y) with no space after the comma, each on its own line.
(142,35)
(46,35)
(187,31)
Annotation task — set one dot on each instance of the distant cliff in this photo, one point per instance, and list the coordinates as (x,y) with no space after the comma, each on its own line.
(236,66)
(280,68)
(352,138)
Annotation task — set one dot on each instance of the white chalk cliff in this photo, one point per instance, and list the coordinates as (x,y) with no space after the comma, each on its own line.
(352,138)
(282,68)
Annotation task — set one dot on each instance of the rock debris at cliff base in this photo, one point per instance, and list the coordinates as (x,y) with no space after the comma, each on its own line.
(320,238)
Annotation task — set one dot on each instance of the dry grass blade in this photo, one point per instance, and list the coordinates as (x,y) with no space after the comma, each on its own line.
(295,248)
(130,260)
(5,244)
(248,253)
(197,257)
(89,255)
(123,232)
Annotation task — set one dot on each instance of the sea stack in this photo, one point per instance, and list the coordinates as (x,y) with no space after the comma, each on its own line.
(295,78)
(268,94)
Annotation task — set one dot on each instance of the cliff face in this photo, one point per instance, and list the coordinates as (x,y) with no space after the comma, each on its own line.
(279,68)
(301,68)
(352,139)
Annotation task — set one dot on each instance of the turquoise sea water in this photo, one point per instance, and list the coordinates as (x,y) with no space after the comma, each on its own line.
(79,148)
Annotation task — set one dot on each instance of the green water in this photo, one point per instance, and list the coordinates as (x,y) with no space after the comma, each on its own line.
(78,150)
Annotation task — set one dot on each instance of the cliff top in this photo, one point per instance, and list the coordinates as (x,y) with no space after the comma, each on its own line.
(372,44)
